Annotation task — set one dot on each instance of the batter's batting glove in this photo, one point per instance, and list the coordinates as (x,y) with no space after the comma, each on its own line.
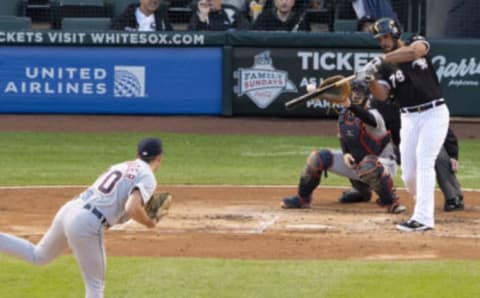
(368,72)
(364,76)
(376,62)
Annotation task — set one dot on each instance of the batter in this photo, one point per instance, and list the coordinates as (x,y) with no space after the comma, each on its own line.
(406,72)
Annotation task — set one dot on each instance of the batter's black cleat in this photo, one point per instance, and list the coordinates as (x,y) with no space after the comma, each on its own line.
(412,226)
(353,196)
(295,202)
(455,204)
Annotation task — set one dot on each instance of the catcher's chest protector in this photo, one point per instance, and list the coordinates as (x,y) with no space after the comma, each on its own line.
(357,139)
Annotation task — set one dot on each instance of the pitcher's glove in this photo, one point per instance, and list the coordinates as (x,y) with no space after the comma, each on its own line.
(158,205)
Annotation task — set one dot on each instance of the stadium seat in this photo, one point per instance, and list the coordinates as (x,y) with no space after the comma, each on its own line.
(86,24)
(38,11)
(320,17)
(340,25)
(12,7)
(118,6)
(180,14)
(76,9)
(13,23)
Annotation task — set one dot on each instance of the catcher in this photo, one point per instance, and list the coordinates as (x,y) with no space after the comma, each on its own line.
(117,195)
(367,157)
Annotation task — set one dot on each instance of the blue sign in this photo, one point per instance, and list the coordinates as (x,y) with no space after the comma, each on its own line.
(111,80)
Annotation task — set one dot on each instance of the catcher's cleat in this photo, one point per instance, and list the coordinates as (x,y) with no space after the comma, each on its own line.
(455,204)
(295,202)
(352,196)
(395,208)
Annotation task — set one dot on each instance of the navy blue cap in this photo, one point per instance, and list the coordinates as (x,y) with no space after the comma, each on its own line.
(150,147)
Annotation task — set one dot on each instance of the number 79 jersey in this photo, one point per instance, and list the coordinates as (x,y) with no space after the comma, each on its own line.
(111,190)
(412,83)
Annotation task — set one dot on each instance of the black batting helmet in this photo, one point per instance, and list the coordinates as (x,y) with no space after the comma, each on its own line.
(386,26)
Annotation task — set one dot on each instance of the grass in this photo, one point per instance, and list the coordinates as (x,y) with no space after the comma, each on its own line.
(192,278)
(77,158)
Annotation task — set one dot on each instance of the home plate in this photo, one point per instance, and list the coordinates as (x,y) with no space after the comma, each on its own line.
(309,227)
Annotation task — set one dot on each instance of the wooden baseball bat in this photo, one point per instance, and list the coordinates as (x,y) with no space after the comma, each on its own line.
(297,101)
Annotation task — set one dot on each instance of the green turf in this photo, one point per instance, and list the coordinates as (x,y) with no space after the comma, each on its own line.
(77,158)
(190,278)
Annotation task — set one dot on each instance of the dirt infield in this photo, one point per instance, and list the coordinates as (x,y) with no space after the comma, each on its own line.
(247,222)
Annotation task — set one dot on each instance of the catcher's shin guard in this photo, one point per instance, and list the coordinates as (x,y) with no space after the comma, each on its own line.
(372,172)
(317,162)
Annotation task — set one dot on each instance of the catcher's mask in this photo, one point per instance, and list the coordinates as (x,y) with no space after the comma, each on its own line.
(386,26)
(360,92)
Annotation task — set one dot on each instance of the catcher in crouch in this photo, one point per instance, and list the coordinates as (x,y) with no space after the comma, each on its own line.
(367,157)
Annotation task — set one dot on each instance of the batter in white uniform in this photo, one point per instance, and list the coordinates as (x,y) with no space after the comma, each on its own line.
(406,73)
(116,196)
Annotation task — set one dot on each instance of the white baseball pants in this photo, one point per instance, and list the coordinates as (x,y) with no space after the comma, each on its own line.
(421,137)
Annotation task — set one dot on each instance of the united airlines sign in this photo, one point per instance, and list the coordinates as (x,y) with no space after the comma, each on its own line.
(109,80)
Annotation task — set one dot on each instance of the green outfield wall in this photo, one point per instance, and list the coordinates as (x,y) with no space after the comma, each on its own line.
(260,71)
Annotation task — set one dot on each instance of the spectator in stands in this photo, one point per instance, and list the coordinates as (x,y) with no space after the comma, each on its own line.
(240,5)
(212,15)
(375,8)
(357,9)
(147,15)
(365,24)
(282,17)
(255,8)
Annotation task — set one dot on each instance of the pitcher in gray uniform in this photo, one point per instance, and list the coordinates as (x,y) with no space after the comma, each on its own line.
(116,196)
(367,155)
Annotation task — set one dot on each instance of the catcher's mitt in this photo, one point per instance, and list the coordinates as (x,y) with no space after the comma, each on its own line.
(335,94)
(158,205)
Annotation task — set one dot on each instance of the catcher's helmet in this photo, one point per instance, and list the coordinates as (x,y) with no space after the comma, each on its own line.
(360,92)
(386,26)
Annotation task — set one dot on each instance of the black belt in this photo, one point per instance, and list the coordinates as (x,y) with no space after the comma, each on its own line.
(98,214)
(423,107)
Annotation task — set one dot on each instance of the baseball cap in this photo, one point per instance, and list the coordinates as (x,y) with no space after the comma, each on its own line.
(149,147)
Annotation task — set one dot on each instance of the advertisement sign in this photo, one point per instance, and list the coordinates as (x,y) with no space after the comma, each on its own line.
(458,69)
(265,79)
(111,38)
(111,80)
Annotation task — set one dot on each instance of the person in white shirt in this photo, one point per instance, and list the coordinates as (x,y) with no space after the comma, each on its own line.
(147,15)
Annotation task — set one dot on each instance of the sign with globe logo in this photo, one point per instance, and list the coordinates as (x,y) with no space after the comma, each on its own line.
(146,81)
(129,81)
